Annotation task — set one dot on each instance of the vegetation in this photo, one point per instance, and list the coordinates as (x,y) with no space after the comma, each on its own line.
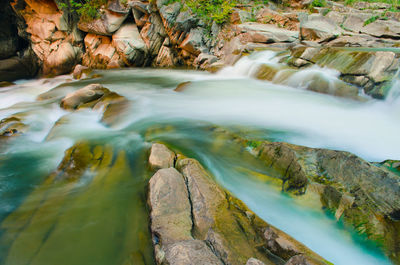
(371,19)
(318,3)
(86,9)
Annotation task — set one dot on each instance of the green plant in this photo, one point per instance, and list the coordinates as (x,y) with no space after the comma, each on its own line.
(371,20)
(326,11)
(86,9)
(318,3)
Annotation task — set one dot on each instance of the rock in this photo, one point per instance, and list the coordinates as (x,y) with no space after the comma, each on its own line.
(19,67)
(264,33)
(253,261)
(9,40)
(161,157)
(170,208)
(166,58)
(100,53)
(355,21)
(61,60)
(185,21)
(109,23)
(336,17)
(193,42)
(12,126)
(239,16)
(84,95)
(194,221)
(316,27)
(129,45)
(153,35)
(80,71)
(204,60)
(300,260)
(268,16)
(383,29)
(191,252)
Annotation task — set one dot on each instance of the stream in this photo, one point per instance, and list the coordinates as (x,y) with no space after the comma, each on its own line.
(102,218)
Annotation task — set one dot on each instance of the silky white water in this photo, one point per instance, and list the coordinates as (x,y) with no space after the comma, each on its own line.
(230,98)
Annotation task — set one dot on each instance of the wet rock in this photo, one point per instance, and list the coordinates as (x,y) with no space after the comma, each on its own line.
(170,208)
(300,260)
(129,45)
(80,71)
(82,96)
(316,27)
(161,157)
(192,217)
(265,33)
(12,126)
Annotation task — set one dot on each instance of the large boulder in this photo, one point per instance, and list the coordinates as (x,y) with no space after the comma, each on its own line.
(194,221)
(170,213)
(84,95)
(362,194)
(107,24)
(61,59)
(319,28)
(129,44)
(266,33)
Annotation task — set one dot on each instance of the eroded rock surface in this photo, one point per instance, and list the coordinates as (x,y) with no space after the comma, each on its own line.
(193,218)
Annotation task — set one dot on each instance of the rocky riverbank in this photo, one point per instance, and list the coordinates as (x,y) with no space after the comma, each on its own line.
(167,34)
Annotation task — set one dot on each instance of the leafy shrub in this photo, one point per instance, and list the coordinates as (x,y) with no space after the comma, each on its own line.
(86,9)
(318,3)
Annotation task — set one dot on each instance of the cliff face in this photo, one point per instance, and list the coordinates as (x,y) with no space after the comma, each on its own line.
(16,59)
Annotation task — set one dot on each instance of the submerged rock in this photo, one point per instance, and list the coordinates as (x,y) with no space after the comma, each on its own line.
(82,96)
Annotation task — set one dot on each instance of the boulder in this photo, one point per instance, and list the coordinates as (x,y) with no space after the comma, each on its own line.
(265,33)
(19,67)
(319,28)
(107,24)
(82,96)
(194,221)
(100,53)
(269,16)
(129,45)
(170,208)
(12,126)
(193,42)
(62,59)
(161,157)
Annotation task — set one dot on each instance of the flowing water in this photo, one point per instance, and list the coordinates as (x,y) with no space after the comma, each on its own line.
(102,217)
